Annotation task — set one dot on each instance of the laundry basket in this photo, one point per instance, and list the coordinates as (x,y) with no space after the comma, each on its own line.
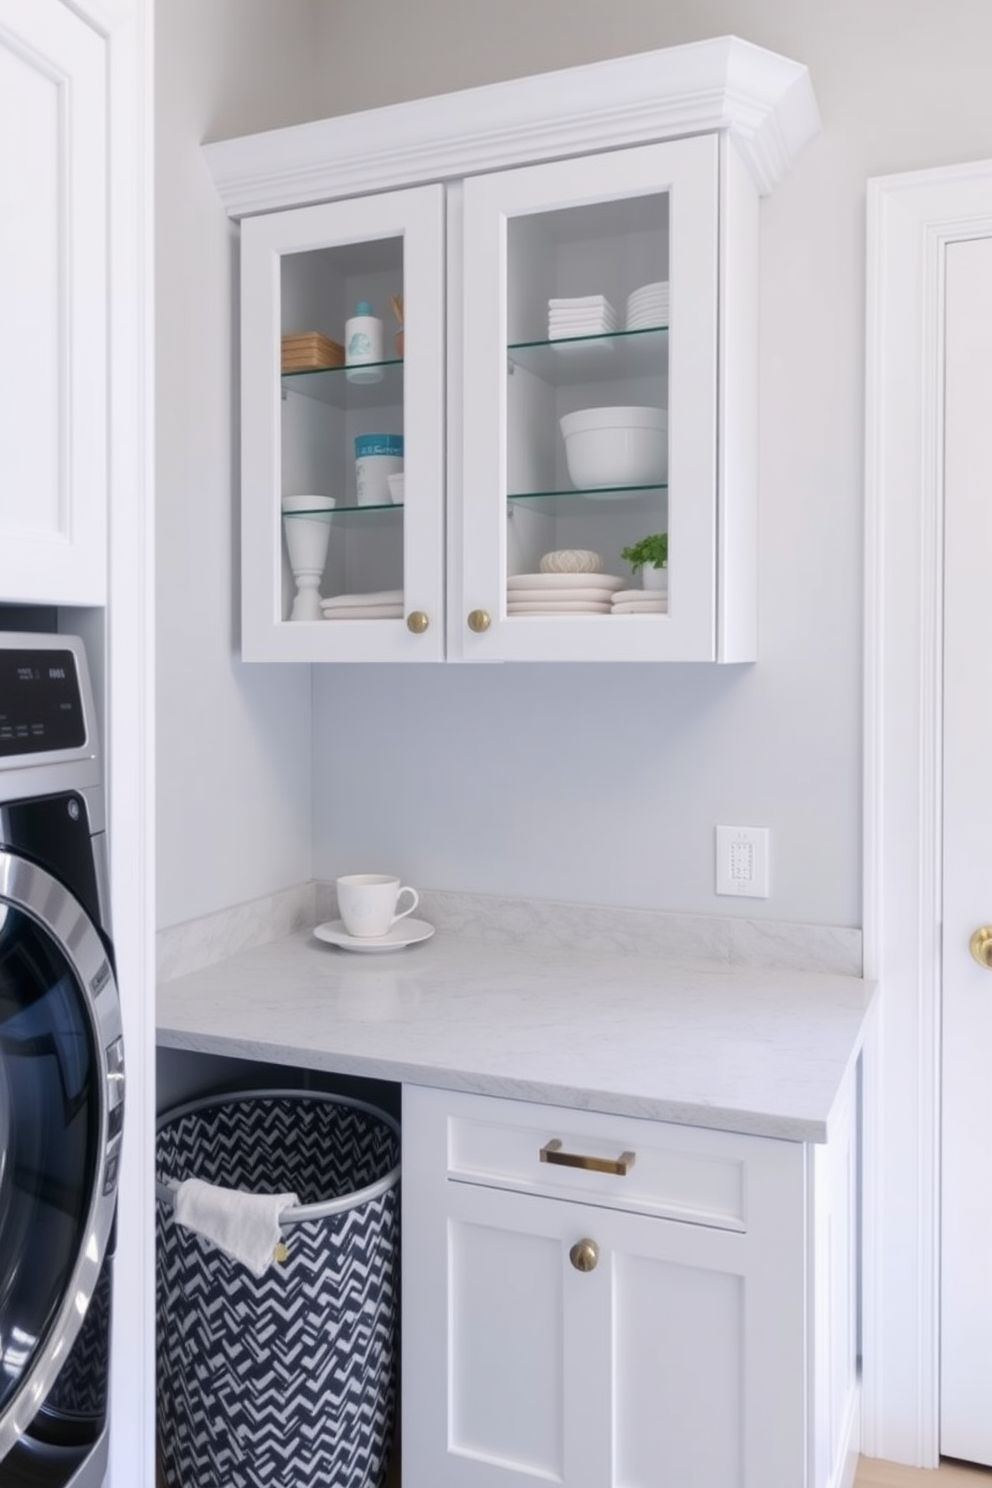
(288,1380)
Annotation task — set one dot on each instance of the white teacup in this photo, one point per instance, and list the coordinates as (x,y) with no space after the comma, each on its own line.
(367,903)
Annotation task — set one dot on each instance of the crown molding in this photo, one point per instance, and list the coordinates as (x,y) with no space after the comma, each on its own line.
(764,102)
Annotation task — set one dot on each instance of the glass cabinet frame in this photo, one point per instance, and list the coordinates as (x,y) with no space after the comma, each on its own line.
(675,363)
(298,427)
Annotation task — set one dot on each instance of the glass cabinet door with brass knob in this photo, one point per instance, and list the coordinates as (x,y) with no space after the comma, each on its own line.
(609,303)
(342,430)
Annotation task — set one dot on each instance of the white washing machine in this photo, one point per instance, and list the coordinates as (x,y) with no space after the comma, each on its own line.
(61,1072)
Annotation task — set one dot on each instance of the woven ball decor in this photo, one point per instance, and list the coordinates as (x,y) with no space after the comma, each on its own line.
(288,1380)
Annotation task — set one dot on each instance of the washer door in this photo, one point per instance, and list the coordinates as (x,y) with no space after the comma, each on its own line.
(61,1114)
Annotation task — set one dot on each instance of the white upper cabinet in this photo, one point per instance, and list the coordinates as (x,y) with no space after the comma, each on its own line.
(53,304)
(551,262)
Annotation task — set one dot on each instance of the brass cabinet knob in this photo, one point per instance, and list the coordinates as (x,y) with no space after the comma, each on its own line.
(980,946)
(417,621)
(479,621)
(584,1254)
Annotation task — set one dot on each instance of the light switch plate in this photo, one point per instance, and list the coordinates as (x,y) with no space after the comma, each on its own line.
(742,861)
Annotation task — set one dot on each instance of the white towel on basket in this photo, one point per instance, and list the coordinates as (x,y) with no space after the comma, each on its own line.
(243,1225)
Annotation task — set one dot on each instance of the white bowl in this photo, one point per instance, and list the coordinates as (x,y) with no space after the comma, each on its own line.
(308,503)
(616,447)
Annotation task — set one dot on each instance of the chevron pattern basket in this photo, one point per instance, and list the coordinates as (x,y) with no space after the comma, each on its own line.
(288,1380)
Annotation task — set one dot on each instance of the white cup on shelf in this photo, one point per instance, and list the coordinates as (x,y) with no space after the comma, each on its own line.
(367,903)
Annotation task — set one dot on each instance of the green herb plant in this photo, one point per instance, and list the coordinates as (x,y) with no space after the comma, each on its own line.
(650,552)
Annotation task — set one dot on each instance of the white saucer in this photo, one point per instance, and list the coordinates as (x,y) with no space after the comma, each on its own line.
(565,581)
(404,933)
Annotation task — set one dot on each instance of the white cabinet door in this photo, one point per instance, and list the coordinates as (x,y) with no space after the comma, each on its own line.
(306,271)
(652,252)
(679,1357)
(53,305)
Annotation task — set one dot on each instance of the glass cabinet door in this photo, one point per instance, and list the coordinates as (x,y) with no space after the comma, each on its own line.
(590,408)
(342,430)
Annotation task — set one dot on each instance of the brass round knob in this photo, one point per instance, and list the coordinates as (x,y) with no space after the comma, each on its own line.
(584,1254)
(417,621)
(980,946)
(479,621)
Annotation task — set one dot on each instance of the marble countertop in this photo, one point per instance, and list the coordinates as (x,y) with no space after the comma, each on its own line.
(698,1043)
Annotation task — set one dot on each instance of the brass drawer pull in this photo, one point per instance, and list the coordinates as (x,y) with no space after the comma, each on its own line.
(551,1153)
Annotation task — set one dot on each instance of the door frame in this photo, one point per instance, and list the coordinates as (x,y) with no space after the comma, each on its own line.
(912,218)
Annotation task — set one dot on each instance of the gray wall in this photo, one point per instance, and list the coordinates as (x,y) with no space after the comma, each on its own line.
(233,741)
(585,783)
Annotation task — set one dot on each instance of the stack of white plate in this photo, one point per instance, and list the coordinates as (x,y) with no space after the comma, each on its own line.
(648,306)
(385,604)
(561,593)
(586,315)
(640,602)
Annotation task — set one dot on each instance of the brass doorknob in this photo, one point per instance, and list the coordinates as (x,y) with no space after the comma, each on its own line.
(479,621)
(980,946)
(417,621)
(584,1254)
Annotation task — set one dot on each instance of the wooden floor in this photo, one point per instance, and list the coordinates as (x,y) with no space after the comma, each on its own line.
(873,1473)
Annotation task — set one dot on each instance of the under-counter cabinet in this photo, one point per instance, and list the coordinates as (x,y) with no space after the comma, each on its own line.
(582,240)
(607,1302)
(55,86)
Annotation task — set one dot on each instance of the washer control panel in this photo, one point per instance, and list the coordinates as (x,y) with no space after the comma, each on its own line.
(41,705)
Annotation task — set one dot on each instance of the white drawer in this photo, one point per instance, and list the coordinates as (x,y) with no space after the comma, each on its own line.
(618,1162)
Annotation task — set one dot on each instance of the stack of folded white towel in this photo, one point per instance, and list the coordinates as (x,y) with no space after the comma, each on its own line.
(587,315)
(385,604)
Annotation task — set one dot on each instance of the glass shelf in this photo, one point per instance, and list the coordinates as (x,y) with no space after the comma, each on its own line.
(351,516)
(331,385)
(562,503)
(579,359)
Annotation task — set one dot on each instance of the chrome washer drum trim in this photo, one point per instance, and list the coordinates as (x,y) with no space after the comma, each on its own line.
(33,892)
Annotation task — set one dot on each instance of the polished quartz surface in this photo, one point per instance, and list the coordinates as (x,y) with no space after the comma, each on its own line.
(682,1039)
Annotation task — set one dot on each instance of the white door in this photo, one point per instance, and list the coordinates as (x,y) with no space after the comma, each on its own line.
(966,1229)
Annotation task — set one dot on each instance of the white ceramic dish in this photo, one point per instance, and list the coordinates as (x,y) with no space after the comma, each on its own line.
(292,504)
(565,581)
(640,596)
(625,446)
(648,292)
(562,607)
(406,933)
(571,560)
(543,596)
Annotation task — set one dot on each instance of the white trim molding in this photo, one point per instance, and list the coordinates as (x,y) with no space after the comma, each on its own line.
(763,101)
(130,741)
(912,219)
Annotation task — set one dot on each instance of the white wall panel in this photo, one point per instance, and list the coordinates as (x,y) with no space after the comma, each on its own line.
(233,740)
(604,784)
